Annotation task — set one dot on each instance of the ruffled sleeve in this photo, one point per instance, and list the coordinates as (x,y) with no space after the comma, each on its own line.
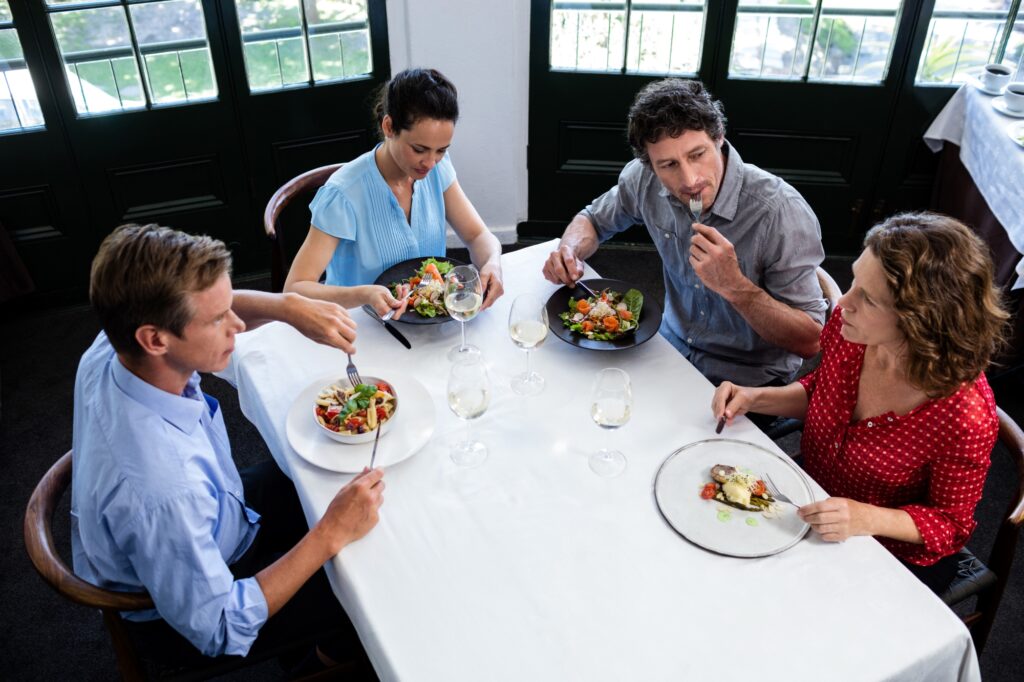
(445,172)
(333,213)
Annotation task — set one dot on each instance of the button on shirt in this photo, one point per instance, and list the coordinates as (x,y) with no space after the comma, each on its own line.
(778,245)
(157,504)
(930,462)
(357,206)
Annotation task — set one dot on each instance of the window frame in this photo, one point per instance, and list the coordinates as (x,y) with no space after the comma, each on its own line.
(1010,20)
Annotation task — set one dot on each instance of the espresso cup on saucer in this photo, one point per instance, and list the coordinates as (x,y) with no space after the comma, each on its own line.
(995,76)
(1013,96)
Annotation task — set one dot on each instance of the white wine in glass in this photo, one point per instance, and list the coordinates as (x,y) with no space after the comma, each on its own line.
(469,394)
(528,327)
(463,296)
(611,404)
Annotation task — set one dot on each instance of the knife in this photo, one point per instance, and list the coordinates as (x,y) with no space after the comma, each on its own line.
(387,325)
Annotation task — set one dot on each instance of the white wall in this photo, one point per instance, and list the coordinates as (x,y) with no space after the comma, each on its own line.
(483,47)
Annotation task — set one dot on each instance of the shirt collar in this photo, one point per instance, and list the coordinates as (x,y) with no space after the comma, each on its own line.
(728,192)
(182,411)
(732,182)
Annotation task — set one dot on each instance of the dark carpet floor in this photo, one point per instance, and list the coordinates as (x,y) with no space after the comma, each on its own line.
(44,637)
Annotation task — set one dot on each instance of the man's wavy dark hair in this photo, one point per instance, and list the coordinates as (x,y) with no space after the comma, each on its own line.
(668,108)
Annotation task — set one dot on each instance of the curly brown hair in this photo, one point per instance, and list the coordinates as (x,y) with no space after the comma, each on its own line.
(143,274)
(670,107)
(950,312)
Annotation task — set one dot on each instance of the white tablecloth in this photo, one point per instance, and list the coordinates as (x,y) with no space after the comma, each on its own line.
(530,567)
(995,162)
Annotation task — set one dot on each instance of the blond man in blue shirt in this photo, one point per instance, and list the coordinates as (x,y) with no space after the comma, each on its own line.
(157,502)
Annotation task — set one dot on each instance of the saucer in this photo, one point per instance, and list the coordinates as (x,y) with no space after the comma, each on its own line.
(976,81)
(1016,133)
(999,104)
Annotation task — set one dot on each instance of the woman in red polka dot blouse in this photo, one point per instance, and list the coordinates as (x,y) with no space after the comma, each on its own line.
(899,419)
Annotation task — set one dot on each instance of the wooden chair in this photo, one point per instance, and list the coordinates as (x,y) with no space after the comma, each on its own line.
(988,580)
(47,560)
(302,186)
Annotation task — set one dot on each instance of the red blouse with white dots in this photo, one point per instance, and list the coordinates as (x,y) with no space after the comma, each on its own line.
(931,462)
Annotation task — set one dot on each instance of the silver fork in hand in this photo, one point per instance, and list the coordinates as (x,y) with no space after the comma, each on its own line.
(774,491)
(352,372)
(696,207)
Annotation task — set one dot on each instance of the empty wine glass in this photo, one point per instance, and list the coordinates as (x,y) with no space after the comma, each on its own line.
(611,401)
(469,394)
(463,296)
(528,327)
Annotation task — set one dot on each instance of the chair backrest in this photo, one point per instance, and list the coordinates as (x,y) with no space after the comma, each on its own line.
(829,289)
(304,185)
(1000,560)
(46,559)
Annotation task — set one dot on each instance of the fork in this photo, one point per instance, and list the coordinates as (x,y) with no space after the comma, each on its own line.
(774,490)
(696,207)
(581,285)
(391,313)
(373,454)
(352,372)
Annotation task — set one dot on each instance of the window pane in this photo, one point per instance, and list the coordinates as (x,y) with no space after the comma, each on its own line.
(19,105)
(335,11)
(852,49)
(171,35)
(852,44)
(963,36)
(5,12)
(276,42)
(587,40)
(91,29)
(666,41)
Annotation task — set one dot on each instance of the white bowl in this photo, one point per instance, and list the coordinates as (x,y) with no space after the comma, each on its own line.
(367,437)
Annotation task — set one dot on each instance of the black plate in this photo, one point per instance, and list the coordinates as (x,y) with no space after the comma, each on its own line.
(650,316)
(405,270)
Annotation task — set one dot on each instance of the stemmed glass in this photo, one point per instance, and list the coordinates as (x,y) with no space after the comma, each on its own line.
(528,327)
(469,394)
(463,295)
(611,401)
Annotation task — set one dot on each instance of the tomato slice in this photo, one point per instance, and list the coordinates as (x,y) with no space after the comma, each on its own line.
(708,491)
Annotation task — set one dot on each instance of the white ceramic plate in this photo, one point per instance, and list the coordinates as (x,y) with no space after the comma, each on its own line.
(1016,133)
(999,104)
(718,527)
(413,426)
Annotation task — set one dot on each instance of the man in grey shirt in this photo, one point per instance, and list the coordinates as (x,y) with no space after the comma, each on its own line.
(742,301)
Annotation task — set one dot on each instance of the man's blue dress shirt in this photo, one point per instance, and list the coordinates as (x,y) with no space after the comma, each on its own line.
(157,504)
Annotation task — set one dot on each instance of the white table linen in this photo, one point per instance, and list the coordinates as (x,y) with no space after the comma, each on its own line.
(530,567)
(995,162)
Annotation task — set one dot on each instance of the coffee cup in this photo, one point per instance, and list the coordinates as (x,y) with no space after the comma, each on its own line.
(995,76)
(1014,97)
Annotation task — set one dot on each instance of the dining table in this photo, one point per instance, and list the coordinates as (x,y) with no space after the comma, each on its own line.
(531,567)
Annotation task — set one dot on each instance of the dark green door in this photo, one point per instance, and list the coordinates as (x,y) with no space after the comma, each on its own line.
(820,113)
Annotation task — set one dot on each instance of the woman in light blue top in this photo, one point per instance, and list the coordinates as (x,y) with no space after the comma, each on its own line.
(391,203)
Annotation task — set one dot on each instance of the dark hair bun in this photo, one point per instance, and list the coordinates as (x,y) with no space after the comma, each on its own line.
(415,94)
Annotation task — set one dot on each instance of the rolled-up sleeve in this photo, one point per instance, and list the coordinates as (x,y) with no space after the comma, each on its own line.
(617,209)
(794,251)
(955,486)
(173,551)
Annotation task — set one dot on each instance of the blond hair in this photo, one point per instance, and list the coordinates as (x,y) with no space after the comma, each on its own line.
(143,274)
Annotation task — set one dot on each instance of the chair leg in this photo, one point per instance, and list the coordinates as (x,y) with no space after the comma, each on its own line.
(127,659)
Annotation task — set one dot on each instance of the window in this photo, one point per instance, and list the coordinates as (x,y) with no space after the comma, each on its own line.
(19,105)
(663,36)
(966,34)
(853,40)
(282,38)
(105,44)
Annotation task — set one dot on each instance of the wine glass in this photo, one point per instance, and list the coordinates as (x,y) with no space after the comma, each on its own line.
(528,327)
(611,401)
(469,394)
(463,295)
